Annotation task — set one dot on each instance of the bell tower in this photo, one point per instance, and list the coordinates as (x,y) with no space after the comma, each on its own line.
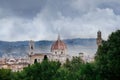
(31,47)
(99,38)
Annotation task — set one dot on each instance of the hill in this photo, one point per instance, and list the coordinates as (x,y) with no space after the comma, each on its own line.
(21,48)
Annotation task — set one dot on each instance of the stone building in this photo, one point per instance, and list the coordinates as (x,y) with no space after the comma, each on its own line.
(59,47)
(58,52)
(13,63)
(99,38)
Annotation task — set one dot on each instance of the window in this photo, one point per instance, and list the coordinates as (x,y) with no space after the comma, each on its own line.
(45,57)
(38,60)
(55,52)
(35,61)
(32,47)
(31,52)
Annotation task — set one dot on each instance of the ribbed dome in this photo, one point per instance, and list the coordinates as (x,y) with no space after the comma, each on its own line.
(58,45)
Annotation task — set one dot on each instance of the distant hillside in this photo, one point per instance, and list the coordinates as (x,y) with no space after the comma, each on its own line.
(21,48)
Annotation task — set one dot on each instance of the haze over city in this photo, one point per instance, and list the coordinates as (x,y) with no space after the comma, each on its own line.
(44,19)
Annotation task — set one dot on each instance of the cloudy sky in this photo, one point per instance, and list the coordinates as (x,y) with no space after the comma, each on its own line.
(45,19)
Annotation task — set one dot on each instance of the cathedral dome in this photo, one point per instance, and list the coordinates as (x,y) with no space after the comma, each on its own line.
(58,45)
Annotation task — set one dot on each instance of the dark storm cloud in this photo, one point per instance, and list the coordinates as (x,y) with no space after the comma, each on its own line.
(29,8)
(25,8)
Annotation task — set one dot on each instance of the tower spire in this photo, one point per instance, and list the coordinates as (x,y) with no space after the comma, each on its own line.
(58,36)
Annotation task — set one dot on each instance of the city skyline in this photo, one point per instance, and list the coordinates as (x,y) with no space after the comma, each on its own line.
(45,19)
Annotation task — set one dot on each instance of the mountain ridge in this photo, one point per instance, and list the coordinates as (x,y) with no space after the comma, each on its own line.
(21,48)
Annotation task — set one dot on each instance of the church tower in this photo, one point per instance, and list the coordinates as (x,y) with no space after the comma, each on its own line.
(99,38)
(31,47)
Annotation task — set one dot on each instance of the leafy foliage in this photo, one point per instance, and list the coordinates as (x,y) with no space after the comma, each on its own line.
(5,74)
(108,58)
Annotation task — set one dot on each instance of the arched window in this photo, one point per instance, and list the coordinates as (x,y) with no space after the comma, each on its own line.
(45,57)
(55,52)
(32,47)
(31,52)
(35,61)
(62,52)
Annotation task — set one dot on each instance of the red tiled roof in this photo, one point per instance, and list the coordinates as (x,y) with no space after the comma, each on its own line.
(58,45)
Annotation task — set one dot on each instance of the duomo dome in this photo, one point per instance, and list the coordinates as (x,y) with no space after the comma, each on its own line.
(58,47)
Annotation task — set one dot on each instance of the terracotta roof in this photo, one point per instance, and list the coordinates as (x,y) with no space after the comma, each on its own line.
(58,45)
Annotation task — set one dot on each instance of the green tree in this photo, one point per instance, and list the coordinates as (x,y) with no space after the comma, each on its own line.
(74,64)
(5,74)
(42,71)
(73,67)
(61,74)
(87,72)
(108,57)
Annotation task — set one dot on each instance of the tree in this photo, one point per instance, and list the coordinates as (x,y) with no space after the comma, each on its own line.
(108,57)
(42,71)
(61,74)
(74,64)
(73,67)
(5,74)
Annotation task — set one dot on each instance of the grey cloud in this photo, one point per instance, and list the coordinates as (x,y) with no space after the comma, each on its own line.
(112,5)
(70,18)
(25,8)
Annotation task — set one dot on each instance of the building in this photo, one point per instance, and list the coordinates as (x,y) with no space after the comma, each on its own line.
(14,64)
(99,38)
(58,52)
(59,47)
